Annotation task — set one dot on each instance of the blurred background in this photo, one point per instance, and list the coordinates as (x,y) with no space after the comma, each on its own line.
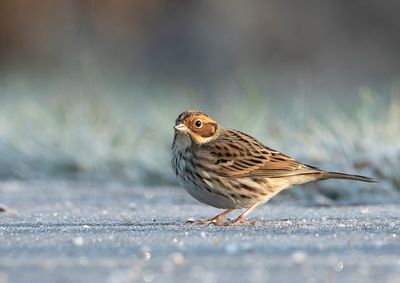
(90,89)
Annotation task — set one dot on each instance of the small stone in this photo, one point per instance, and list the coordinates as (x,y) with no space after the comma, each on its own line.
(298,257)
(339,267)
(365,211)
(178,258)
(78,241)
(147,256)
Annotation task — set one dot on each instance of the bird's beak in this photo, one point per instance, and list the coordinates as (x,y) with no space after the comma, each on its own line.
(181,128)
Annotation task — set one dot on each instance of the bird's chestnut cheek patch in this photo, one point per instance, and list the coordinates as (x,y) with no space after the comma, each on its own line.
(207,130)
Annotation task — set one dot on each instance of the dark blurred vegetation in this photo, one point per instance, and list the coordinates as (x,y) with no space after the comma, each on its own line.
(316,46)
(91,88)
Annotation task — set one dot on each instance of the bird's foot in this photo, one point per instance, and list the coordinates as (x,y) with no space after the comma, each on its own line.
(236,222)
(218,221)
(215,220)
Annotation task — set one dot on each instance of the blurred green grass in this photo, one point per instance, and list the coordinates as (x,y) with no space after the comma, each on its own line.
(102,130)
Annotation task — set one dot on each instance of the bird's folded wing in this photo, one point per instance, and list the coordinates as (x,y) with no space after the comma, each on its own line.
(235,154)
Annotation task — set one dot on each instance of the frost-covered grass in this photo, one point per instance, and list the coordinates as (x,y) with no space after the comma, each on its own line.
(99,130)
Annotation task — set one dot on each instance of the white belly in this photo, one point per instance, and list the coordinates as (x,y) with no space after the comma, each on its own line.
(205,196)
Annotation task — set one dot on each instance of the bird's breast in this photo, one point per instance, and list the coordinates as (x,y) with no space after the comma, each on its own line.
(196,182)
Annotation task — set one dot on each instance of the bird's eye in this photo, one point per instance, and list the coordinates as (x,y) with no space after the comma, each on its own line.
(198,123)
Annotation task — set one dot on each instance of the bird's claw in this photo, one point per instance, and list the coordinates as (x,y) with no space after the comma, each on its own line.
(237,222)
(220,222)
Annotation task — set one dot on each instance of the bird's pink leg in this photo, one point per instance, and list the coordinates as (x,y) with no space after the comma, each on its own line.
(240,219)
(217,220)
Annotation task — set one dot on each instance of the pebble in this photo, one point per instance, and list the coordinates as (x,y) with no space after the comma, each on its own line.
(298,257)
(78,241)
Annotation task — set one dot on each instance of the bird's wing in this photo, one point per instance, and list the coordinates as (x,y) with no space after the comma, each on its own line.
(235,154)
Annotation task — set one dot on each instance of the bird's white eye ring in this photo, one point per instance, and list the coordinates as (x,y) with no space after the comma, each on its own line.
(198,123)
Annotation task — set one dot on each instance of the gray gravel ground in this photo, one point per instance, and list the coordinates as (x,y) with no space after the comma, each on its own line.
(92,232)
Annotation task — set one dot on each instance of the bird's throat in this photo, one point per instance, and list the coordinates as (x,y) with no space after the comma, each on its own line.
(182,142)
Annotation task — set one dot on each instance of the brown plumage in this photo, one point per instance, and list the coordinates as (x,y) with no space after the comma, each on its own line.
(228,169)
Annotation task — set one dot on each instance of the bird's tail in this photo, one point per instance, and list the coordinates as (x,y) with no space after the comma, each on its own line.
(337,175)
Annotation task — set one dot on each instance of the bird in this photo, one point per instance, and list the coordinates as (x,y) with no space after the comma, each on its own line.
(229,169)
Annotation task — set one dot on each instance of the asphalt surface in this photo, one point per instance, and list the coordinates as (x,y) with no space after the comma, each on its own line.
(92,232)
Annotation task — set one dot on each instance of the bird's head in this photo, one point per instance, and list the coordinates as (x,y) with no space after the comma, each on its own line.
(197,125)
